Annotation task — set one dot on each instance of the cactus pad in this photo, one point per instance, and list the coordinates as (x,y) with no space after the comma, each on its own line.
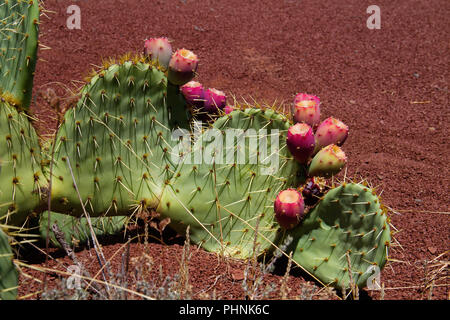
(117,141)
(20,166)
(349,221)
(19,21)
(223,200)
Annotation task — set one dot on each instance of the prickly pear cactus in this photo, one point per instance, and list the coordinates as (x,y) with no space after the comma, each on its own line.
(223,200)
(20,166)
(8,272)
(76,230)
(347,221)
(18,50)
(117,141)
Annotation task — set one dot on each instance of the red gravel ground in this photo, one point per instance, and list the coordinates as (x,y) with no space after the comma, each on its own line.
(389,85)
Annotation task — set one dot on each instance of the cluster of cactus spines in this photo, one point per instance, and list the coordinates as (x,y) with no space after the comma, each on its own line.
(289,207)
(227,204)
(20,166)
(307,109)
(300,141)
(158,50)
(76,229)
(8,273)
(18,50)
(347,231)
(182,67)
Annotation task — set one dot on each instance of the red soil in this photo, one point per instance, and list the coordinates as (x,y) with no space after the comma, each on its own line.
(390,86)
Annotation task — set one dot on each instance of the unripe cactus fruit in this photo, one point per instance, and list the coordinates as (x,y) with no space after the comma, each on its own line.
(194,93)
(289,207)
(307,109)
(182,67)
(327,162)
(300,141)
(158,50)
(331,131)
(214,100)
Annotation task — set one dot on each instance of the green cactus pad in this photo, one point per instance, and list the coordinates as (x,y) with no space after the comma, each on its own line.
(349,219)
(20,166)
(8,273)
(19,20)
(117,141)
(222,202)
(76,230)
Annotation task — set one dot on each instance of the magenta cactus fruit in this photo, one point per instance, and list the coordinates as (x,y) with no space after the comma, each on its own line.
(214,100)
(300,142)
(327,162)
(330,131)
(193,92)
(182,67)
(289,208)
(228,109)
(307,109)
(158,50)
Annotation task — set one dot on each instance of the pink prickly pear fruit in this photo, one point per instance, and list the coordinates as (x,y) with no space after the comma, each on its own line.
(300,142)
(330,131)
(289,208)
(194,93)
(307,109)
(158,50)
(327,162)
(182,67)
(228,109)
(214,100)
